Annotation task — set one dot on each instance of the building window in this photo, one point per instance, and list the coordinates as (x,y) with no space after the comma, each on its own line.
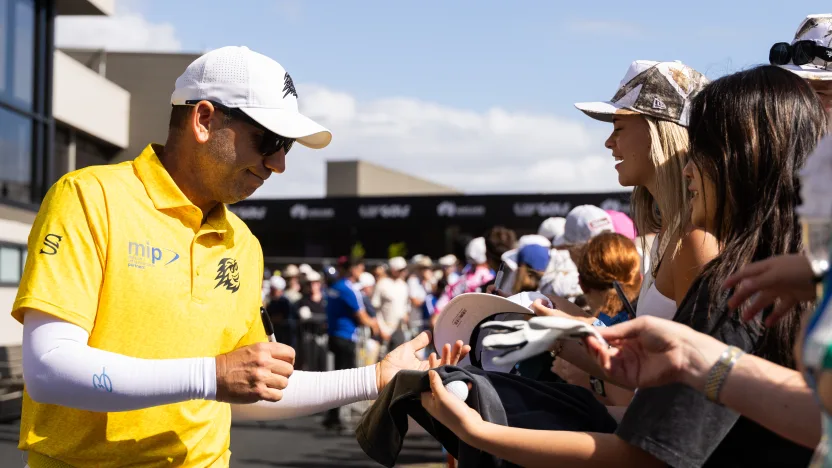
(12,260)
(26,125)
(15,156)
(17,57)
(92,152)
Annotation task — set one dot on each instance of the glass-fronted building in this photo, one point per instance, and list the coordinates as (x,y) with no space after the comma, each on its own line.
(53,111)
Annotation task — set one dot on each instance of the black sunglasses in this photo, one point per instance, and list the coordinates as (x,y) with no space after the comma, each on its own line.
(270,142)
(799,53)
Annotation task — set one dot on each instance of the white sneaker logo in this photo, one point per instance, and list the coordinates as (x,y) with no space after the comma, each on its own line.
(658,104)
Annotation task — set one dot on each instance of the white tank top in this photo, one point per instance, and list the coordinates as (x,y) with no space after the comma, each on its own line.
(650,300)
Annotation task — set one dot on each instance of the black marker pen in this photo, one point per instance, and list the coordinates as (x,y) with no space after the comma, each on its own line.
(267,324)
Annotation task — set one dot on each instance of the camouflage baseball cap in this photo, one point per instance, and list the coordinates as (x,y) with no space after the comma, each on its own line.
(660,89)
(818,29)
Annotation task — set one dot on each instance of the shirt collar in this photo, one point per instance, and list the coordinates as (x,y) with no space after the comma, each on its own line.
(166,195)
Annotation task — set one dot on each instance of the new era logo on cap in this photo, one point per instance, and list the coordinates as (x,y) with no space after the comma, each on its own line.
(659,89)
(240,78)
(658,104)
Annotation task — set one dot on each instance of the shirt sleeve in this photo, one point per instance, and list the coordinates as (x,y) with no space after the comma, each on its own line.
(66,252)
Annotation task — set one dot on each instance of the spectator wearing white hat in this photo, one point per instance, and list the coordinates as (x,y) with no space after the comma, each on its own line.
(367,284)
(420,284)
(449,268)
(311,304)
(292,274)
(581,224)
(392,302)
(809,56)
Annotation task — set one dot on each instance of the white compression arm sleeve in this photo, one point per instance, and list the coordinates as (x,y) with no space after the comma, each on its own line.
(60,368)
(313,392)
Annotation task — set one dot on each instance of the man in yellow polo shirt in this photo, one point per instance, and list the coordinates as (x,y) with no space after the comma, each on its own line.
(141,293)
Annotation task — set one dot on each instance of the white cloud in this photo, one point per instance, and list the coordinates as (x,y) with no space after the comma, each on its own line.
(496,151)
(127,30)
(605,27)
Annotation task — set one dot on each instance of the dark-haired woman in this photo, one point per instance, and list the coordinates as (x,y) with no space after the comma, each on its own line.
(750,132)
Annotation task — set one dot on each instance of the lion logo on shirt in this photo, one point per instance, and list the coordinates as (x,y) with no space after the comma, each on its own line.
(228,275)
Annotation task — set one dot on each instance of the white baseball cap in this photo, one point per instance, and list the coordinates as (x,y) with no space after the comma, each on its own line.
(583,223)
(533,239)
(461,317)
(397,264)
(291,271)
(659,89)
(312,276)
(304,268)
(239,78)
(817,29)
(475,251)
(447,260)
(552,228)
(366,280)
(277,282)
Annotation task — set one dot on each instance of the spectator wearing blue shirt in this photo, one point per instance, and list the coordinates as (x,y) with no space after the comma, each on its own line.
(345,313)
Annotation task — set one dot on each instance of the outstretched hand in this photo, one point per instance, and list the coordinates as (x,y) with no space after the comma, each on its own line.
(784,281)
(404,358)
(650,352)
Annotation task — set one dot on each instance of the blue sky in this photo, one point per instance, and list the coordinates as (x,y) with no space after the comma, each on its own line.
(521,64)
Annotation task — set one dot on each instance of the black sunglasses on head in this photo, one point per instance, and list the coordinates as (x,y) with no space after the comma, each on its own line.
(270,142)
(799,53)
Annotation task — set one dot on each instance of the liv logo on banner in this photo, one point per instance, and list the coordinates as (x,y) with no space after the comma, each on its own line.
(542,209)
(301,211)
(613,204)
(384,211)
(250,212)
(450,209)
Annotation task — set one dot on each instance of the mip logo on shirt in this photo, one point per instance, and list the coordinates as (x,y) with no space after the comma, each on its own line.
(143,256)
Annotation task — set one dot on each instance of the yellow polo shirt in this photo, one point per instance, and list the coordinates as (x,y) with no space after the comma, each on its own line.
(120,251)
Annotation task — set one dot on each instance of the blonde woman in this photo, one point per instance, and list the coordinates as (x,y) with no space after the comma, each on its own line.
(649,140)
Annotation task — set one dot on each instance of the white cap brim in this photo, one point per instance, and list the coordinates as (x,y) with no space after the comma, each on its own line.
(463,313)
(603,111)
(291,124)
(808,72)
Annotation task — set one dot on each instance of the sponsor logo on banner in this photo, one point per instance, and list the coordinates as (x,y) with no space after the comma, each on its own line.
(542,209)
(250,212)
(451,209)
(614,204)
(384,211)
(143,255)
(301,211)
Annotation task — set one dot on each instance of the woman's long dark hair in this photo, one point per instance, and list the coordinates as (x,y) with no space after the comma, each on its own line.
(750,133)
